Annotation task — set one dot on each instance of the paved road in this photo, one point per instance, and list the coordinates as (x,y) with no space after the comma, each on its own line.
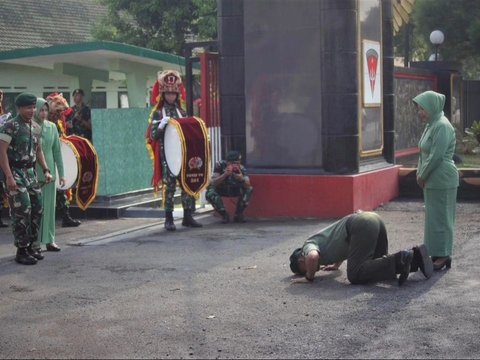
(127,289)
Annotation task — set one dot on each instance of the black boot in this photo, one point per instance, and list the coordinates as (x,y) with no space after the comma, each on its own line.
(422,261)
(225,216)
(24,258)
(239,218)
(35,253)
(188,220)
(2,224)
(169,225)
(403,261)
(67,220)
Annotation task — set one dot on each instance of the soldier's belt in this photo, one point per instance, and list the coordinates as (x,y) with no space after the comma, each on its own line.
(21,164)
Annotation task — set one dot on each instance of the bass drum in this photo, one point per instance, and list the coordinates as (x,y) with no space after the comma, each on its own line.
(172,145)
(70,165)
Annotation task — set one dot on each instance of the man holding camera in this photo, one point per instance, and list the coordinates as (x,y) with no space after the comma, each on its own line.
(230,179)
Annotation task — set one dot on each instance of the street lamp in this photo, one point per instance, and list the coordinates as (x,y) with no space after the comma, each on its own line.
(436,38)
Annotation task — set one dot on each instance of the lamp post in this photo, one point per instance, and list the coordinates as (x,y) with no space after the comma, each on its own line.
(436,38)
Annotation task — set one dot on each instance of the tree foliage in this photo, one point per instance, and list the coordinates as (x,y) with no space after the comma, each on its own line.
(164,25)
(459,20)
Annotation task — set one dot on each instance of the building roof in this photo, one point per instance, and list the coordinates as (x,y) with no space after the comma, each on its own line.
(401,13)
(101,55)
(42,23)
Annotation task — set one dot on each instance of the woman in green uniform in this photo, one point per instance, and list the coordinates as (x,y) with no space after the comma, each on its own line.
(437,175)
(53,157)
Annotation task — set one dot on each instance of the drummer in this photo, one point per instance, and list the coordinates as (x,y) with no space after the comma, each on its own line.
(57,107)
(167,106)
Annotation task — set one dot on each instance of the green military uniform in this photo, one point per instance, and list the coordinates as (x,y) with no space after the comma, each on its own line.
(437,169)
(169,180)
(83,112)
(230,187)
(25,204)
(361,239)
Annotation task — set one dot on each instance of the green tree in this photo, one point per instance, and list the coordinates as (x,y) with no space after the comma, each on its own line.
(459,20)
(164,25)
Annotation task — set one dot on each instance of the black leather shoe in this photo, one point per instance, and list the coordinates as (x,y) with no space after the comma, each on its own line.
(422,261)
(442,261)
(2,224)
(24,258)
(188,219)
(67,221)
(403,262)
(35,253)
(53,247)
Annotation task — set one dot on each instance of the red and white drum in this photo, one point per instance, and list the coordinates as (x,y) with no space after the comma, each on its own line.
(70,165)
(187,153)
(173,148)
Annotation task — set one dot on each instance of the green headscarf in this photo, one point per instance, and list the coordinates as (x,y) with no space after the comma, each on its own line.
(40,103)
(432,102)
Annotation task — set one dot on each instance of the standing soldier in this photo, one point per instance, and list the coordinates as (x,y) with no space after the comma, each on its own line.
(20,148)
(3,118)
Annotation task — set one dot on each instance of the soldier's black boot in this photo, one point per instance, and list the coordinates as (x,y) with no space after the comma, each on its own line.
(169,225)
(35,253)
(225,216)
(239,217)
(403,262)
(188,220)
(24,258)
(2,224)
(67,220)
(422,261)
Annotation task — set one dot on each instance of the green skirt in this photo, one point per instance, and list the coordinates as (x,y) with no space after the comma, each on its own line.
(439,220)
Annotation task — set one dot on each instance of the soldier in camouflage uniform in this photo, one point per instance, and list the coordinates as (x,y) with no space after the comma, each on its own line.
(20,148)
(168,106)
(3,118)
(230,179)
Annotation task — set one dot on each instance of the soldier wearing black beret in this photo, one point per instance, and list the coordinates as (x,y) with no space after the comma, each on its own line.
(20,149)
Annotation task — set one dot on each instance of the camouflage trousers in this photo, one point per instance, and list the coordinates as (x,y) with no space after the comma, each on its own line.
(169,188)
(25,210)
(62,204)
(214,197)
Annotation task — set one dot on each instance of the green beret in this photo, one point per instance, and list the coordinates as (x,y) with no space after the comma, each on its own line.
(25,99)
(233,155)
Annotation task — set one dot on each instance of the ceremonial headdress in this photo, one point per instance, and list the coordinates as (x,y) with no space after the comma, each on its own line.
(167,81)
(56,102)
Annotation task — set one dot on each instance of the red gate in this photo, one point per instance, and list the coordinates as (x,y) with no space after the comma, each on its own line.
(210,102)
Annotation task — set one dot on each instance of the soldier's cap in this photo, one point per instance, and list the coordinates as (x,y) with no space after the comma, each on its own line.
(78,91)
(297,253)
(25,99)
(233,155)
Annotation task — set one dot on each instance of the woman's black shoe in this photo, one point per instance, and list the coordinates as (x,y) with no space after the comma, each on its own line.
(440,262)
(53,247)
